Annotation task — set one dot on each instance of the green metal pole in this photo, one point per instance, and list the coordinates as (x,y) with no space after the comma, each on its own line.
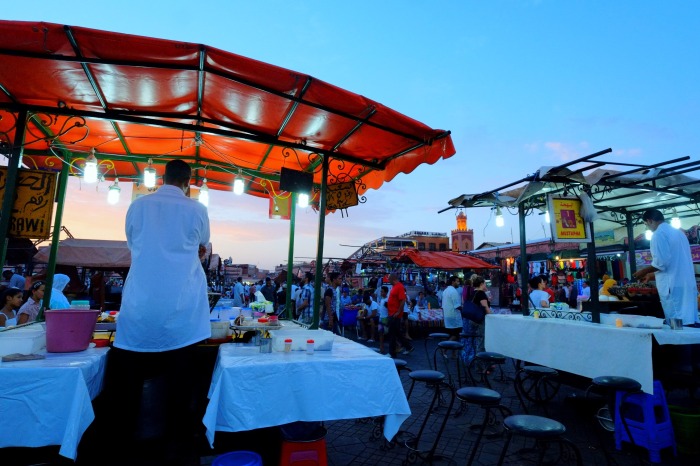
(51,268)
(11,182)
(290,256)
(524,274)
(319,245)
(631,248)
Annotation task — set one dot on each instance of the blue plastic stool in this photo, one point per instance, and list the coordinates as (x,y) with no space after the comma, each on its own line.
(238,458)
(647,419)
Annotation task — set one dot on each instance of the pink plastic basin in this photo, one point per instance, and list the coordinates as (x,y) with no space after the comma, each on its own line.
(69,330)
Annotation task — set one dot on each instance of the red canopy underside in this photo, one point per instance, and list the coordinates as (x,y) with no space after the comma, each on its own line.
(135,98)
(441,260)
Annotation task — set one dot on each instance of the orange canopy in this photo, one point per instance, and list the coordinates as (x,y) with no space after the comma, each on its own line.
(441,260)
(132,98)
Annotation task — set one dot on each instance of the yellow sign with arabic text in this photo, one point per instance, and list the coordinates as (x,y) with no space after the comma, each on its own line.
(567,224)
(33,206)
(341,196)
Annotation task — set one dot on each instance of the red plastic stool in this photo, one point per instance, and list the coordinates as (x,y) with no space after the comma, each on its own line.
(304,452)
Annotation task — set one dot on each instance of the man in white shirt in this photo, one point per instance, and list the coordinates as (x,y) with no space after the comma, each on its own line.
(672,266)
(451,308)
(238,293)
(164,311)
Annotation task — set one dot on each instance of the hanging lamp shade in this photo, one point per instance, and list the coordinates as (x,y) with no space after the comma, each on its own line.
(204,193)
(149,175)
(114,193)
(90,169)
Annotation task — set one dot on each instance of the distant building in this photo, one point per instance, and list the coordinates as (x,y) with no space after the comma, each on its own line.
(389,246)
(462,237)
(428,241)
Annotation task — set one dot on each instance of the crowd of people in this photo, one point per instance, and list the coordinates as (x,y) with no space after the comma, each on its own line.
(383,308)
(21,304)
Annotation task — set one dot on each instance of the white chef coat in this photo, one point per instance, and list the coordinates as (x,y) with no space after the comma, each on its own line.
(164,302)
(675,277)
(451,300)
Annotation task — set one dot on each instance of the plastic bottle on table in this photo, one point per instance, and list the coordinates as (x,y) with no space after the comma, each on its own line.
(287,345)
(309,347)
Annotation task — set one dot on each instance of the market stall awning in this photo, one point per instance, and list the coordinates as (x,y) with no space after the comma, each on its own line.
(615,189)
(132,98)
(441,260)
(91,253)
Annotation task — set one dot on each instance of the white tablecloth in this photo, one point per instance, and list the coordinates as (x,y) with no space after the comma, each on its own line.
(48,401)
(583,348)
(250,390)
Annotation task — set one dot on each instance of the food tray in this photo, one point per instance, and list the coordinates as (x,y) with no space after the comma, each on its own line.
(256,326)
(105,326)
(630,320)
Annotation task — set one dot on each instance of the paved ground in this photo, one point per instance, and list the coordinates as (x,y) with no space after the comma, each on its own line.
(352,442)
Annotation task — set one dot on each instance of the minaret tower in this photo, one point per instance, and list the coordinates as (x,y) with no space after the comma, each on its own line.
(462,237)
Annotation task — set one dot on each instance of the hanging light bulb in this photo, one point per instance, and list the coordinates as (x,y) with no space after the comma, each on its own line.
(648,234)
(675,221)
(499,217)
(149,175)
(547,218)
(90,169)
(114,192)
(238,184)
(204,193)
(303,200)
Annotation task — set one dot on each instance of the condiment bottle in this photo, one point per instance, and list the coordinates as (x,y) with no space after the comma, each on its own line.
(287,345)
(618,322)
(309,347)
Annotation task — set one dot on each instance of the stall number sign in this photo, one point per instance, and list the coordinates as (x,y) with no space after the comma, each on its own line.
(341,196)
(33,206)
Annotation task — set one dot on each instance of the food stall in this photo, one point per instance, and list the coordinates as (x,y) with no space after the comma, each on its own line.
(606,199)
(439,260)
(614,199)
(361,145)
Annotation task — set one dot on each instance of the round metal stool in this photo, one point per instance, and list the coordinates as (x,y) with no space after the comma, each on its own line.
(436,380)
(444,347)
(543,430)
(487,399)
(433,336)
(537,384)
(610,385)
(485,360)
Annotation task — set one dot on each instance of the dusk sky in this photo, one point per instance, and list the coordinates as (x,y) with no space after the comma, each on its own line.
(521,84)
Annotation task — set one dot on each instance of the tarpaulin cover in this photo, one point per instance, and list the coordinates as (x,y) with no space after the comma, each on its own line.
(91,253)
(131,98)
(444,260)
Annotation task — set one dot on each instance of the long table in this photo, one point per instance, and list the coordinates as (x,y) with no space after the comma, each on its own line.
(582,348)
(251,390)
(49,401)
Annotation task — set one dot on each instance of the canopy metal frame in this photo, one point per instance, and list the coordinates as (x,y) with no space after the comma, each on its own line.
(619,197)
(131,99)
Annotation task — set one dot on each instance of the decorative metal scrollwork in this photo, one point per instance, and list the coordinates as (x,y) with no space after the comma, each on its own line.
(6,127)
(564,314)
(74,127)
(313,159)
